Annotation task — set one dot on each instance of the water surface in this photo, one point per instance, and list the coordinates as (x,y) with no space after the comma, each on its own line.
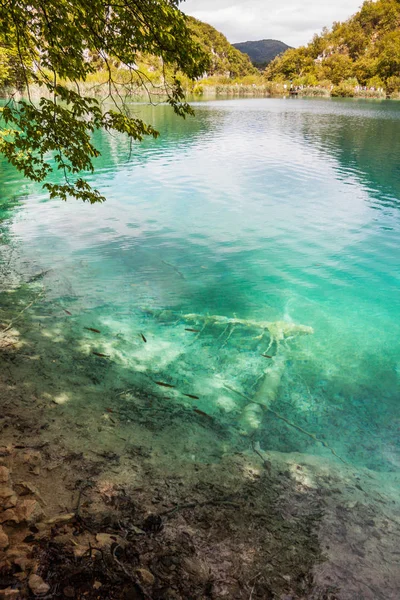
(261,210)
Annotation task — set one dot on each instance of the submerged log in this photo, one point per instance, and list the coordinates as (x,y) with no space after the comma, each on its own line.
(279,330)
(270,380)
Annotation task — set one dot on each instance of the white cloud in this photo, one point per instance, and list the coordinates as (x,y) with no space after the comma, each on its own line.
(291,21)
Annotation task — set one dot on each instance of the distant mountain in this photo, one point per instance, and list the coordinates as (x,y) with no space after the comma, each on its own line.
(263,51)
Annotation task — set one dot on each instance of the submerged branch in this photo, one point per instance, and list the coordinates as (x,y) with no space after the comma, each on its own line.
(282,418)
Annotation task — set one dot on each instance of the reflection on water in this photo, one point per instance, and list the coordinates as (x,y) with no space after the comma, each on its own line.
(261,210)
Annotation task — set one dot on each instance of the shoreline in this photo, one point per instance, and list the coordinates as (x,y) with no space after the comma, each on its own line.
(209,92)
(206,513)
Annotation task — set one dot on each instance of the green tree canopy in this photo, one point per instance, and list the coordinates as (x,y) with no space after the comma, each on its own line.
(51,44)
(365,48)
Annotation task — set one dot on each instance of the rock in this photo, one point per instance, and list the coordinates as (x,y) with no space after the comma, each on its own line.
(18,552)
(8,515)
(26,564)
(4,475)
(10,502)
(197,569)
(8,498)
(37,585)
(3,539)
(29,510)
(24,488)
(145,576)
(5,492)
(69,592)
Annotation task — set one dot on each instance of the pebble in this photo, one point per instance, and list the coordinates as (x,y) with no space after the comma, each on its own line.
(38,586)
(145,576)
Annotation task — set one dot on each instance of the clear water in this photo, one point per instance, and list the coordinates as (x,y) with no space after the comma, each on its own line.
(263,210)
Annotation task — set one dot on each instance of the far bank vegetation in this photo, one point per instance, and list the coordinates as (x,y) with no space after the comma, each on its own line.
(357,58)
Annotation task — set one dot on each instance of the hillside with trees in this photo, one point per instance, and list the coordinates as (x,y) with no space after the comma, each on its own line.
(223,59)
(226,60)
(363,51)
(262,52)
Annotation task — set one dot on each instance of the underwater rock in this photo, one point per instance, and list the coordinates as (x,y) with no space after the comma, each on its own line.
(270,382)
(38,586)
(267,392)
(3,539)
(250,419)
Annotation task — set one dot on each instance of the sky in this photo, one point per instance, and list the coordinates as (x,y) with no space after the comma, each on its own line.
(291,21)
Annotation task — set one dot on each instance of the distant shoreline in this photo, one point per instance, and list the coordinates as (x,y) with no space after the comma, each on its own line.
(209,91)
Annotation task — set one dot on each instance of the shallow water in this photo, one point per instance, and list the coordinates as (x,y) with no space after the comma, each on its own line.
(260,210)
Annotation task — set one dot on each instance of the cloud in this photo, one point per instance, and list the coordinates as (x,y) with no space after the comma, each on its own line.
(292,21)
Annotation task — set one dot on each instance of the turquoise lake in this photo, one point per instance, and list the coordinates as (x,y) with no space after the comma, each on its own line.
(256,210)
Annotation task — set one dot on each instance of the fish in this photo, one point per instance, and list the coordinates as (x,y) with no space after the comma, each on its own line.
(174,268)
(266,356)
(38,276)
(101,355)
(67,311)
(191,396)
(193,330)
(143,338)
(203,414)
(109,410)
(92,329)
(168,385)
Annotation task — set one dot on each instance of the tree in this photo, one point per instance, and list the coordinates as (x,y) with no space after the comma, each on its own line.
(294,62)
(54,42)
(338,67)
(389,55)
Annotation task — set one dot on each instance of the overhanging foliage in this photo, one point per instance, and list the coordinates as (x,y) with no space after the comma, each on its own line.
(53,43)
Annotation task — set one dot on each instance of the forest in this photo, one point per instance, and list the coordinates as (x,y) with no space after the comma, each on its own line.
(363,51)
(360,55)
